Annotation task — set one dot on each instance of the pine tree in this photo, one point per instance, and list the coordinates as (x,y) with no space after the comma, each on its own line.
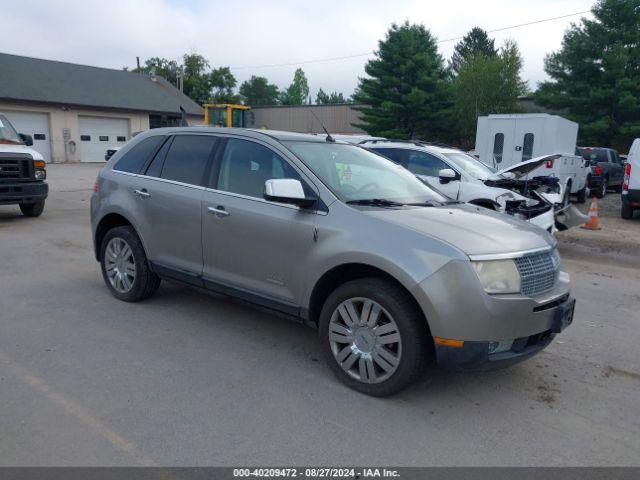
(406,93)
(475,42)
(596,75)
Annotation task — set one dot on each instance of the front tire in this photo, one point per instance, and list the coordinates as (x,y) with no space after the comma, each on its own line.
(32,209)
(374,337)
(125,268)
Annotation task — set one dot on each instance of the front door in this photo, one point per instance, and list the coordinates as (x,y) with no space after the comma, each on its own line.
(253,246)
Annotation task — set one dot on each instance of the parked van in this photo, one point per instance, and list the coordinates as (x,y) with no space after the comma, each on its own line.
(631,182)
(506,140)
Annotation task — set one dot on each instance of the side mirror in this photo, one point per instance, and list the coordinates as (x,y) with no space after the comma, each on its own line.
(287,190)
(27,139)
(446,175)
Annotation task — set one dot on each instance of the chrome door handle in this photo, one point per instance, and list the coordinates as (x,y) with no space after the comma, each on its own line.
(219,210)
(142,193)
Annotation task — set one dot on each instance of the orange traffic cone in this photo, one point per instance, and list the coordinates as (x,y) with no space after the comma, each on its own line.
(594,222)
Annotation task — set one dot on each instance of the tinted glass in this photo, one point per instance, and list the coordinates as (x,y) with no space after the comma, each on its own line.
(187,158)
(527,146)
(498,147)
(247,165)
(134,159)
(418,163)
(595,155)
(354,173)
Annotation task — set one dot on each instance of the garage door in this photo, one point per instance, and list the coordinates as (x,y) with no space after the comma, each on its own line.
(36,125)
(97,134)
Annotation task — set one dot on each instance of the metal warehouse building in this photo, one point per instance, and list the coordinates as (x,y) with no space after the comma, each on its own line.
(75,112)
(338,118)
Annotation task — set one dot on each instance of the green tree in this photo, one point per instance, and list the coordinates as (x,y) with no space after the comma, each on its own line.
(326,98)
(168,69)
(406,93)
(258,91)
(595,76)
(475,42)
(298,92)
(485,85)
(197,82)
(222,82)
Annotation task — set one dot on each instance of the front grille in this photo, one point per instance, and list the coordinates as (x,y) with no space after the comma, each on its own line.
(538,272)
(14,169)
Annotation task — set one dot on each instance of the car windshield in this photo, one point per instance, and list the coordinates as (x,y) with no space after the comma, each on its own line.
(472,166)
(354,174)
(7,132)
(594,155)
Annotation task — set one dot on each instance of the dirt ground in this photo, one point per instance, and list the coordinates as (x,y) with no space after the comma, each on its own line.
(617,237)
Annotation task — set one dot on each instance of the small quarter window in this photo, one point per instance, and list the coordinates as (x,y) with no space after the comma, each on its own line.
(498,147)
(85,138)
(134,159)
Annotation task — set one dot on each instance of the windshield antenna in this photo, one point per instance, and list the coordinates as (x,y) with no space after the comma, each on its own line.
(329,137)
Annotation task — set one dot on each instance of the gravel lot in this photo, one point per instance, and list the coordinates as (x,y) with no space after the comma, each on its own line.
(188,379)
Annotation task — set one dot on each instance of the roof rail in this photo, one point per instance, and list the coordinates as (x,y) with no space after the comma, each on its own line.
(418,143)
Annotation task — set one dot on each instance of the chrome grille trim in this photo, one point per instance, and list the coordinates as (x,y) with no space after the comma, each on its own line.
(538,272)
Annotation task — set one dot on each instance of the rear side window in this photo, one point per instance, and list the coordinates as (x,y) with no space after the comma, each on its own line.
(134,159)
(595,155)
(187,158)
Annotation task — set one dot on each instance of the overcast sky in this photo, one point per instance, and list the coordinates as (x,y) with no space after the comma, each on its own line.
(252,33)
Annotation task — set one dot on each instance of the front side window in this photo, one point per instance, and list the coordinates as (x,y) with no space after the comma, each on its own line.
(246,166)
(353,173)
(7,132)
(134,159)
(474,167)
(187,158)
(417,162)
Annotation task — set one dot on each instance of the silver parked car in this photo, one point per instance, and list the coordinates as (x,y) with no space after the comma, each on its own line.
(392,274)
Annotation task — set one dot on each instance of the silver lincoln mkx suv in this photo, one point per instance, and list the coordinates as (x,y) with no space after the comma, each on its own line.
(392,274)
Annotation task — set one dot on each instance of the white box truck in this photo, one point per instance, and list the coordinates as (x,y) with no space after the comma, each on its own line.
(508,139)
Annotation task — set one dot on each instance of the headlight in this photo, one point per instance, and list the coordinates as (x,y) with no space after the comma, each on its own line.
(40,174)
(498,276)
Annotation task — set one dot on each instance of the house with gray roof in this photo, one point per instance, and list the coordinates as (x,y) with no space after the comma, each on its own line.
(76,112)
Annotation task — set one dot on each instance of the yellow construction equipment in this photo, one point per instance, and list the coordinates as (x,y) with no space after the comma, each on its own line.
(225,114)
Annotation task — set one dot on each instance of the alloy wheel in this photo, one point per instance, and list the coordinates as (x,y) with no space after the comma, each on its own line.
(365,340)
(119,263)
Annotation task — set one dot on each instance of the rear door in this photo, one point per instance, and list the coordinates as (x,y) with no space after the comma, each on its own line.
(252,246)
(527,136)
(170,193)
(617,170)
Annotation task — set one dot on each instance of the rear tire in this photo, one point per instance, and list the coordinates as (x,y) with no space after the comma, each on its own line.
(125,267)
(362,353)
(581,196)
(602,190)
(626,211)
(32,209)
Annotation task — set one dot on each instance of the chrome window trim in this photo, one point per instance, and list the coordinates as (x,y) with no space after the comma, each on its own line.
(509,255)
(213,190)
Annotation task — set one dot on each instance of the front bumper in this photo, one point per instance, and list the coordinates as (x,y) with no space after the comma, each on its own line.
(479,356)
(23,192)
(456,307)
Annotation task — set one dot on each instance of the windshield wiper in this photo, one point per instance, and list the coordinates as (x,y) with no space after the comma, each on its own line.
(427,203)
(376,202)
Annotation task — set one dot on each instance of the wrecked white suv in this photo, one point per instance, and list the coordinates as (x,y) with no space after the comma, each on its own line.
(513,190)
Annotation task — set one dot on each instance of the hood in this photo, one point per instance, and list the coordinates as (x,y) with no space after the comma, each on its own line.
(7,148)
(474,230)
(523,168)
